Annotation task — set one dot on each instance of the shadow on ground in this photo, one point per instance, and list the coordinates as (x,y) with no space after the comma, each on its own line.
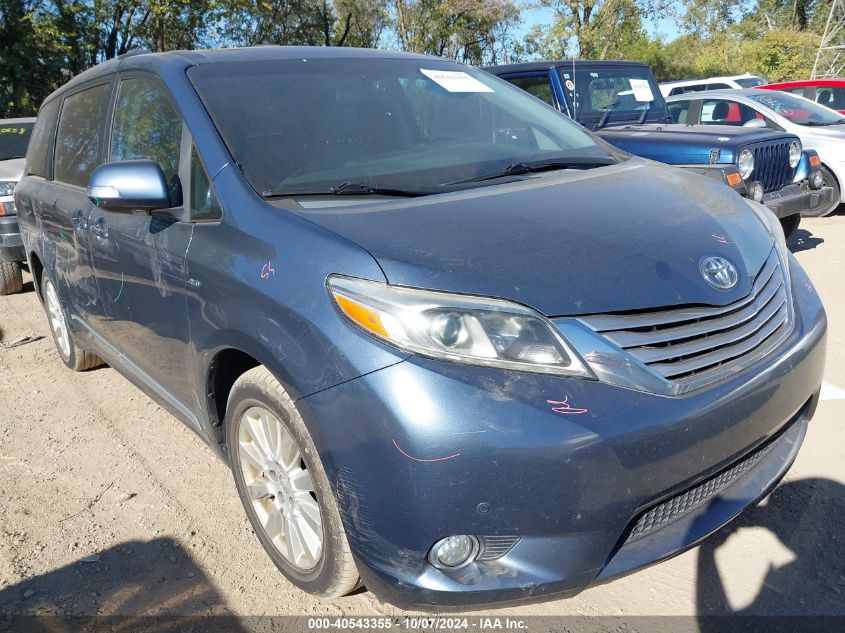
(808,516)
(803,240)
(153,585)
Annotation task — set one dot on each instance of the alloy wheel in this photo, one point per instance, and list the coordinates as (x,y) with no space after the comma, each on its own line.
(58,323)
(280,488)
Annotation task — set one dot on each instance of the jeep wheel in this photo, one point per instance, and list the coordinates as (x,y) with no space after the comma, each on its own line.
(830,181)
(284,489)
(11,279)
(70,353)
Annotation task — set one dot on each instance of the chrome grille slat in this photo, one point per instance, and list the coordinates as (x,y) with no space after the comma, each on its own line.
(694,346)
(607,322)
(627,338)
(704,361)
(712,342)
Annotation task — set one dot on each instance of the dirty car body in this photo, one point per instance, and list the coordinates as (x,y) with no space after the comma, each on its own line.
(621,102)
(442,312)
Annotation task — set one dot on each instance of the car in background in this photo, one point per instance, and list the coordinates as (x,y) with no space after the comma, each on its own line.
(818,127)
(448,340)
(827,92)
(14,139)
(671,88)
(619,100)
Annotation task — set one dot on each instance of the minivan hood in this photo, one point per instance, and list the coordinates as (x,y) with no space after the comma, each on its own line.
(625,237)
(11,170)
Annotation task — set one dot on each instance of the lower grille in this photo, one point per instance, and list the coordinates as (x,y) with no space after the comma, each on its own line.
(702,343)
(676,507)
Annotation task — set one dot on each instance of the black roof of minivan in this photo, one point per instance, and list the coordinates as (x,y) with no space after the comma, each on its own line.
(549,64)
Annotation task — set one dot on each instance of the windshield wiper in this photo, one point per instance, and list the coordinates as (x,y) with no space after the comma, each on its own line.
(824,123)
(516,169)
(347,189)
(645,113)
(606,115)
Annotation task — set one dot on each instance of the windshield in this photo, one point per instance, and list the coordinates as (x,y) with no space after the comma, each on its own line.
(602,95)
(797,109)
(310,126)
(14,138)
(751,82)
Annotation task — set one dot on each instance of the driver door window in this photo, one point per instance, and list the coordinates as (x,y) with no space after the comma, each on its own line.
(147,126)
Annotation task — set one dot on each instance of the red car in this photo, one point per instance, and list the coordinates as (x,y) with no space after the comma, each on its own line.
(827,92)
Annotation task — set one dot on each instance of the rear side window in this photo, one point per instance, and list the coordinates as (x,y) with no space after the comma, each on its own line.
(147,126)
(538,86)
(79,134)
(39,144)
(830,96)
(718,86)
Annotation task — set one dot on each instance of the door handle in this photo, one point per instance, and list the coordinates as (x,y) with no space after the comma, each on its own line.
(100,230)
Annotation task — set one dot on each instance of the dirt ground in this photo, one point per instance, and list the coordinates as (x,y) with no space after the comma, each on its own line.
(110,505)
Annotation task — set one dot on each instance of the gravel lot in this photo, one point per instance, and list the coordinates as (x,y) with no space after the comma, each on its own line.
(110,505)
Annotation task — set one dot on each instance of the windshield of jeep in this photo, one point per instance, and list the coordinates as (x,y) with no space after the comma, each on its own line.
(359,126)
(14,138)
(612,95)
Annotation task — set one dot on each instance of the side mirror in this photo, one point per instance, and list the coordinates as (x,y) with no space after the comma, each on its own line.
(754,123)
(129,185)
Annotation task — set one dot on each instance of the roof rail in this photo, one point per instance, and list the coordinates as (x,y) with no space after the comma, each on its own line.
(133,52)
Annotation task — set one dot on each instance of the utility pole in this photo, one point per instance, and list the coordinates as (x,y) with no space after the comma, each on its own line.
(830,59)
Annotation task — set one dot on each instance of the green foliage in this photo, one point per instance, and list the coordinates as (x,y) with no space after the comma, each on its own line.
(43,43)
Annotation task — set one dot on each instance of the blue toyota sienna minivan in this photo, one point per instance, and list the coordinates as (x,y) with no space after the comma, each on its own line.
(453,346)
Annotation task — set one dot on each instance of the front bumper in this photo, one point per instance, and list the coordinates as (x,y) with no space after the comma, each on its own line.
(424,449)
(798,198)
(11,244)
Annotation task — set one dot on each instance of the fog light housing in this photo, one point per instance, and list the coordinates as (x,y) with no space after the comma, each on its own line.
(454,551)
(755,191)
(817,179)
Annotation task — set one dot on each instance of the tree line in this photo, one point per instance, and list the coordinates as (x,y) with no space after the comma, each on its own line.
(43,43)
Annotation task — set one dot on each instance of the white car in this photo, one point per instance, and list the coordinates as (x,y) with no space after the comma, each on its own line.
(818,127)
(672,88)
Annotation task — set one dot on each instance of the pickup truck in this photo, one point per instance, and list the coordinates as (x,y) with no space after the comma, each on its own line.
(14,139)
(621,102)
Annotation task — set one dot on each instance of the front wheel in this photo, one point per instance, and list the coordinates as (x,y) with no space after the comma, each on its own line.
(284,489)
(71,354)
(830,181)
(11,279)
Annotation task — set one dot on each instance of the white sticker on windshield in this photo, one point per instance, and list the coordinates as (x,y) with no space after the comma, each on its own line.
(455,80)
(642,91)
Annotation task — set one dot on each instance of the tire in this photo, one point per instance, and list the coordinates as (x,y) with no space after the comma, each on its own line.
(279,501)
(11,279)
(790,223)
(71,354)
(830,181)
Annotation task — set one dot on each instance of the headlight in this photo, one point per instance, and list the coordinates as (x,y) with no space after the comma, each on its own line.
(459,328)
(7,188)
(772,224)
(745,163)
(794,153)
